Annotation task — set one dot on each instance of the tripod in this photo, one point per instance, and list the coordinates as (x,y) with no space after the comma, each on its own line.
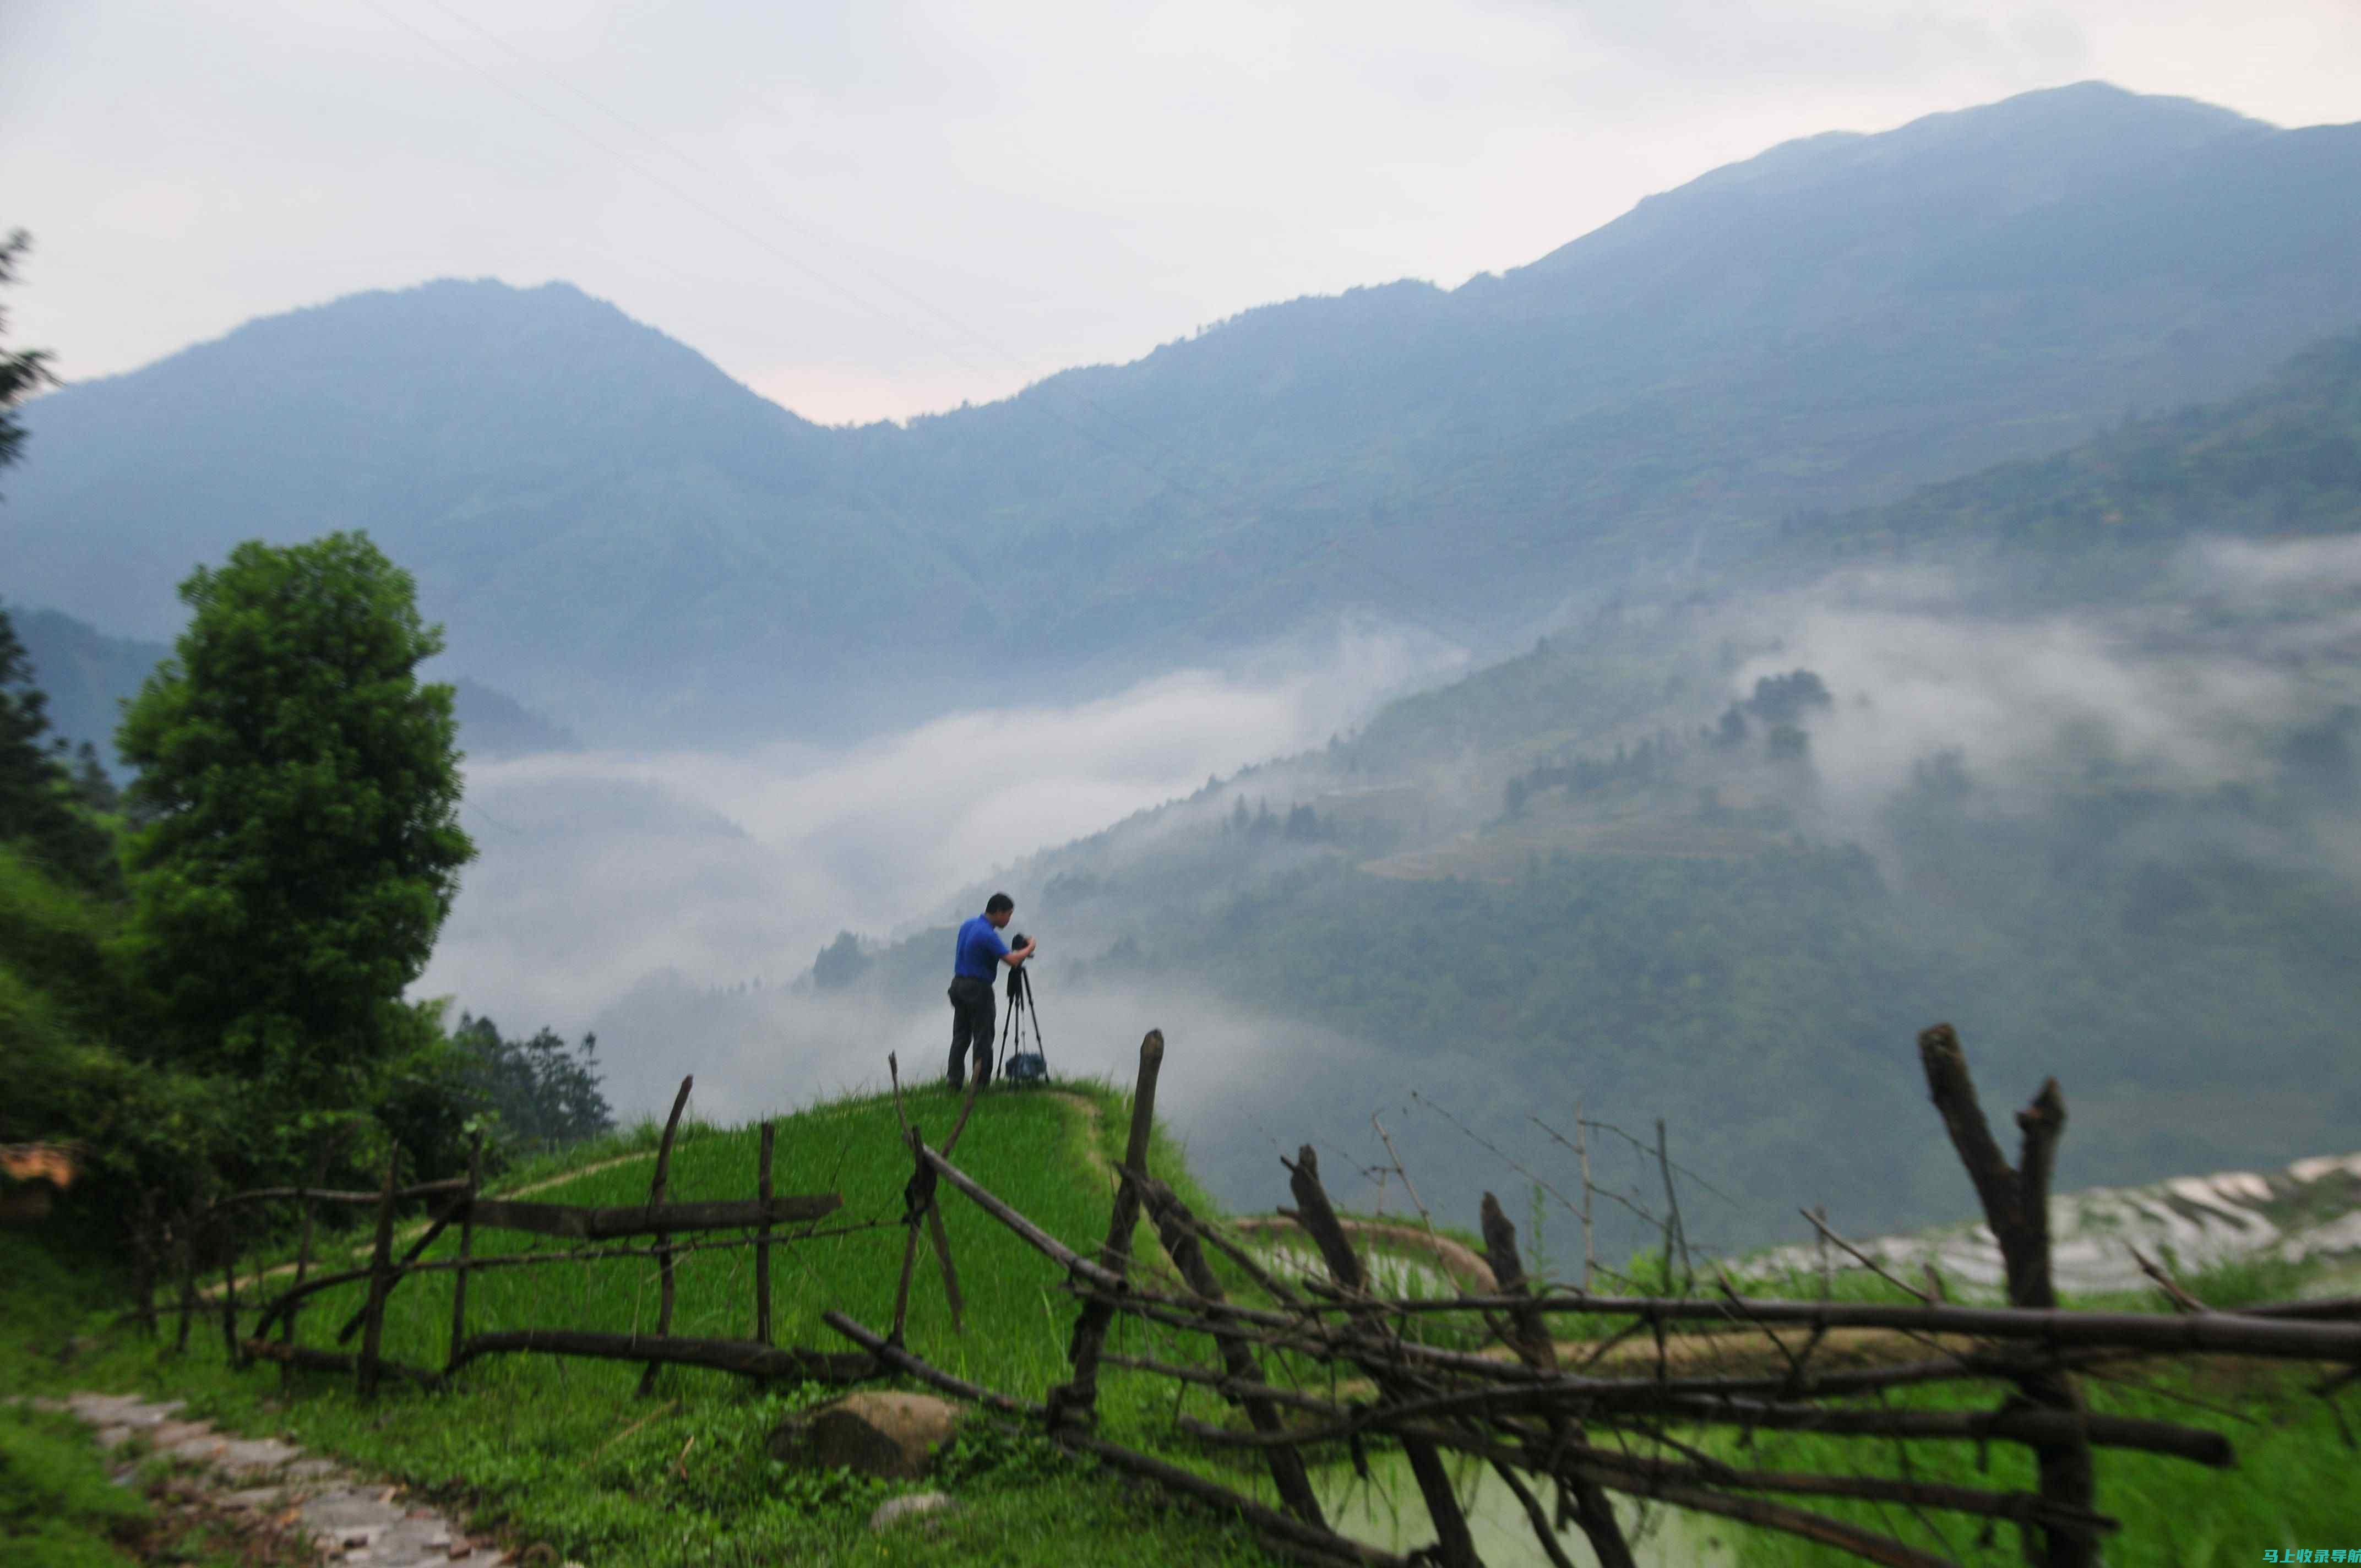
(1011,1028)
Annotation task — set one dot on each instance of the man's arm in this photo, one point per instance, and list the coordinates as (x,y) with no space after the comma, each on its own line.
(1016,959)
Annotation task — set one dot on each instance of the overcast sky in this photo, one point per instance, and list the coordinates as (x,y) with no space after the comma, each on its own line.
(877,210)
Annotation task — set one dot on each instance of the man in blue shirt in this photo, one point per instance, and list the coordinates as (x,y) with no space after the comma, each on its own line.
(975,964)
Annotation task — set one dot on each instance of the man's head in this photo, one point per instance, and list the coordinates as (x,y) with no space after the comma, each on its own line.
(998,908)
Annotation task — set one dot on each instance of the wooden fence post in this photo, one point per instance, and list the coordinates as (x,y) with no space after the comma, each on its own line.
(2017,1206)
(228,1223)
(185,1260)
(149,1245)
(466,1250)
(664,1253)
(1177,1228)
(1592,1510)
(1454,1546)
(1826,1261)
(762,1241)
(302,1255)
(1075,1401)
(365,1368)
(1675,1234)
(1582,1156)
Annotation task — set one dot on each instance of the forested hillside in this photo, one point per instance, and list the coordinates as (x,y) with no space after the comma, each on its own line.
(627,540)
(2071,766)
(2101,519)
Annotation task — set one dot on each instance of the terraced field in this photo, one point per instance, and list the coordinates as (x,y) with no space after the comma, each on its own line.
(2308,1213)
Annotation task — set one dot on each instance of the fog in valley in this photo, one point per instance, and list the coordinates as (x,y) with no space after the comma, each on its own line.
(1921,663)
(673,902)
(638,887)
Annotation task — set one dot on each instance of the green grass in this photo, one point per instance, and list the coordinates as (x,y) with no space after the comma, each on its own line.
(57,1509)
(2294,1486)
(559,1450)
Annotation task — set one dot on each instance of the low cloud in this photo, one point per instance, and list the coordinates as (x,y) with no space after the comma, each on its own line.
(2248,568)
(2025,702)
(598,871)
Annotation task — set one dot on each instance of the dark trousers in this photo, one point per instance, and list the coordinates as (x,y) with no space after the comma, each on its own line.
(971,1026)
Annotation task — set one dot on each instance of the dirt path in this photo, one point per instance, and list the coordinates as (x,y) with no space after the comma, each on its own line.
(267,1488)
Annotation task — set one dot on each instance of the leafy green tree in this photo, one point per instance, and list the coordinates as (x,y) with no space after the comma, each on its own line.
(23,373)
(36,793)
(42,805)
(1783,699)
(298,792)
(544,1094)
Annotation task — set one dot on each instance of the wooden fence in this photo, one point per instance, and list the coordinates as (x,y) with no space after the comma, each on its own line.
(460,1202)
(1484,1375)
(1321,1368)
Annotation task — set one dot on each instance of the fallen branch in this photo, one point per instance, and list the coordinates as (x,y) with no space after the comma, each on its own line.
(304,1358)
(747,1358)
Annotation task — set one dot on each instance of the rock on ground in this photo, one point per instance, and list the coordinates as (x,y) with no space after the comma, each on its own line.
(871,1433)
(894,1510)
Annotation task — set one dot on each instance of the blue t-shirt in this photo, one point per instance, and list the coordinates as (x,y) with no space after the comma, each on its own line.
(980,949)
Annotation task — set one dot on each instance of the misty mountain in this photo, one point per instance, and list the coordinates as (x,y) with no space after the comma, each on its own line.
(2106,518)
(626,538)
(494,725)
(85,673)
(581,498)
(88,676)
(2066,751)
(2162,509)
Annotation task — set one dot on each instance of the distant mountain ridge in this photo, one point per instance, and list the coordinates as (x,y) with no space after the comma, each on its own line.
(616,531)
(87,675)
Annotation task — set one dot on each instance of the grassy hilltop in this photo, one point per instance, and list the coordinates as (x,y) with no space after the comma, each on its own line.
(560,1449)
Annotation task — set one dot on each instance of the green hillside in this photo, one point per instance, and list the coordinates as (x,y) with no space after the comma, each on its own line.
(561,1451)
(2282,461)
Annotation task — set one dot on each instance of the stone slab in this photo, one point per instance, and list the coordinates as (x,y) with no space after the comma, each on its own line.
(354,1523)
(918,1505)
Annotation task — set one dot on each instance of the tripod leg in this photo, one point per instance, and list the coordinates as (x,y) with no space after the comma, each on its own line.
(1037,1045)
(997,1061)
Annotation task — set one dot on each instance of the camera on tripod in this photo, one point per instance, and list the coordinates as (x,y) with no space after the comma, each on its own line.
(1022,1066)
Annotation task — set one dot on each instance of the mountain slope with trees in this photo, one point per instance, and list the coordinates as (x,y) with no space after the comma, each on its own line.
(2281,461)
(1660,863)
(621,535)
